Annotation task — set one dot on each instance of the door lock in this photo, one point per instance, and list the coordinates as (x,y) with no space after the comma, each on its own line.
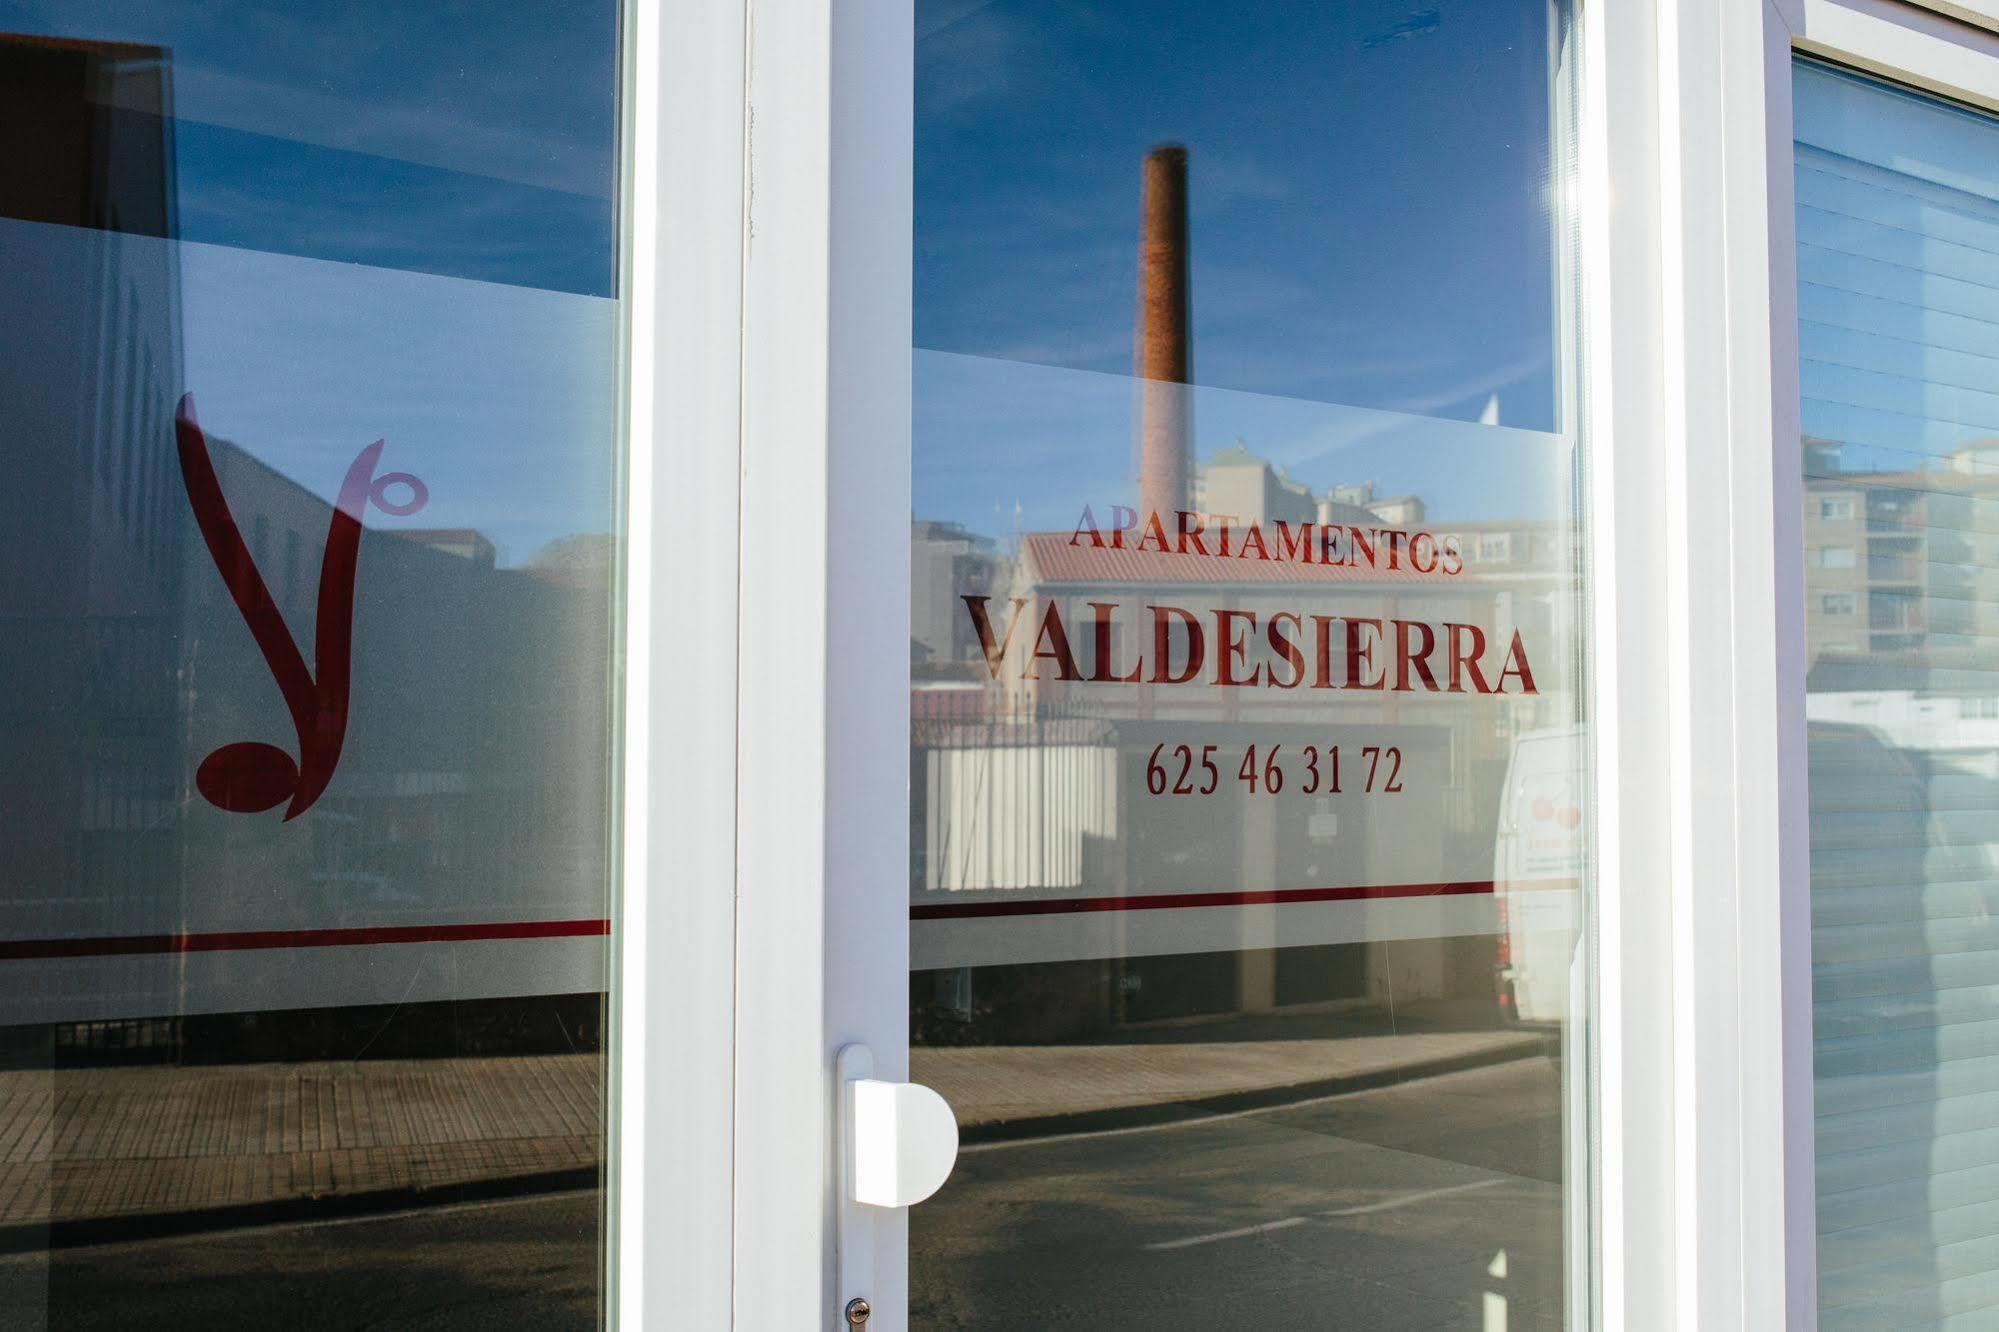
(857,1312)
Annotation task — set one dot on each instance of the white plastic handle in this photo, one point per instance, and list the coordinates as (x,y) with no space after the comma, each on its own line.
(905,1142)
(898,1142)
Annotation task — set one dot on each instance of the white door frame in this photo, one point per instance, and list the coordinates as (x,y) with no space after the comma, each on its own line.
(823,696)
(764,922)
(672,1189)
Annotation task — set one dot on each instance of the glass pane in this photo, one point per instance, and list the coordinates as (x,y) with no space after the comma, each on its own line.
(1249,751)
(308,394)
(1898,225)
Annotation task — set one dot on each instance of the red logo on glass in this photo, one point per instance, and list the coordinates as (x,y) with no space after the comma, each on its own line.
(250,776)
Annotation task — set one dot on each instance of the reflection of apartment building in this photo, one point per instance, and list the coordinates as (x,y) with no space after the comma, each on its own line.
(1901,561)
(946,560)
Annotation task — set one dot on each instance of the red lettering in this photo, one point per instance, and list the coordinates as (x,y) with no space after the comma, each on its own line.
(1102,628)
(1057,638)
(1405,658)
(1465,645)
(1229,648)
(1361,655)
(1187,533)
(1162,645)
(994,655)
(1322,631)
(1416,552)
(1286,647)
(1516,664)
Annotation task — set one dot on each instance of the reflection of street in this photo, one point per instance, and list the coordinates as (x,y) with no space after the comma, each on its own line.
(1384,1209)
(527,1262)
(1389,1208)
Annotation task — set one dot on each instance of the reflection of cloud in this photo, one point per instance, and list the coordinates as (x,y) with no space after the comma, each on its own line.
(333,204)
(937,15)
(1226,178)
(523,93)
(1416,25)
(426,133)
(990,432)
(302,361)
(1486,382)
(966,60)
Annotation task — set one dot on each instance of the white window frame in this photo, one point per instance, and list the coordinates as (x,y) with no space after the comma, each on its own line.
(1949,48)
(670,1187)
(1706,1159)
(768,294)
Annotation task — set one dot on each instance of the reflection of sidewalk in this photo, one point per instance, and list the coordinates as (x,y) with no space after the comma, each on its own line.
(1010,1091)
(100,1149)
(95,1144)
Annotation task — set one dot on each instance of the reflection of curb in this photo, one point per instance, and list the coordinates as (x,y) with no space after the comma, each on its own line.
(30,1237)
(1259,1098)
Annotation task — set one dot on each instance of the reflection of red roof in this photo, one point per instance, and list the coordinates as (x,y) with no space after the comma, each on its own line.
(962,703)
(1054,560)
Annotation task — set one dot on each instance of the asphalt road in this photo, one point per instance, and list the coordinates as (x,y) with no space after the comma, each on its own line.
(518,1263)
(1386,1209)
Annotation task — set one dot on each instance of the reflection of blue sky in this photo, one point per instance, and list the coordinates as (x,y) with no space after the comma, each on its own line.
(991,433)
(459,162)
(1368,190)
(1898,222)
(477,140)
(500,398)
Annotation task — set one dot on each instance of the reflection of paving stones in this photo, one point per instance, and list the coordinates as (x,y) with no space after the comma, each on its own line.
(1005,1084)
(88,1144)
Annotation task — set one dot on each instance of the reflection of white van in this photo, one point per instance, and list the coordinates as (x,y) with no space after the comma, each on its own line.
(1538,858)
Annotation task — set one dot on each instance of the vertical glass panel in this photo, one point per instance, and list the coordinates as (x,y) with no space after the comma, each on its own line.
(1898,305)
(307,404)
(1247,787)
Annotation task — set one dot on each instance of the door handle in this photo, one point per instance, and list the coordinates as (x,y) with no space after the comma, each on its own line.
(897,1144)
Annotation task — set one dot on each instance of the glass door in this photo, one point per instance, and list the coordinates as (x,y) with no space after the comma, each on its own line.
(1248,742)
(309,396)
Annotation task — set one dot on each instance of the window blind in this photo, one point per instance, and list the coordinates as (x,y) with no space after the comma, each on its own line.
(1898,301)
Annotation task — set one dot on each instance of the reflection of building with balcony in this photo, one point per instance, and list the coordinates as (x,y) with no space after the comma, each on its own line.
(1902,603)
(1901,561)
(946,561)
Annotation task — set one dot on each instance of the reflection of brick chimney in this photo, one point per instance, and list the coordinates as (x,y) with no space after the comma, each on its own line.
(1163,357)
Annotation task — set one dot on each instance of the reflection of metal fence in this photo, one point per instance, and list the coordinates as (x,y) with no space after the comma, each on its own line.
(534,1025)
(153,1036)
